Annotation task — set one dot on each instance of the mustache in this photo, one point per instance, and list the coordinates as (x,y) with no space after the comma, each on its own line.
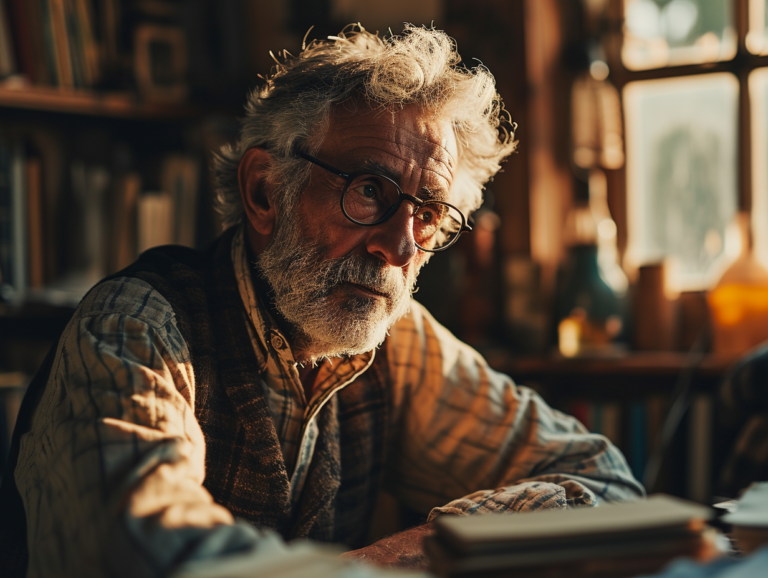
(370,273)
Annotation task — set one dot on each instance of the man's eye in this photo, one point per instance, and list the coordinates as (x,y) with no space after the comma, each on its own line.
(368,191)
(426,216)
(430,214)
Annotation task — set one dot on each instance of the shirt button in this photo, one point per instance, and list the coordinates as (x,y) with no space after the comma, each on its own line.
(277,341)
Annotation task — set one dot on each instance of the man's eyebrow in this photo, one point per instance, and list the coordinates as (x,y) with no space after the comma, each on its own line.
(433,195)
(370,165)
(425,193)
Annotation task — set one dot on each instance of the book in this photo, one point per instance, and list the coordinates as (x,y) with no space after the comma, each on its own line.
(155,220)
(699,474)
(638,453)
(20,13)
(109,20)
(14,280)
(6,221)
(661,526)
(656,412)
(50,147)
(18,269)
(597,417)
(90,187)
(7,51)
(611,422)
(582,410)
(50,57)
(125,198)
(625,561)
(35,237)
(74,43)
(87,40)
(609,523)
(180,179)
(60,43)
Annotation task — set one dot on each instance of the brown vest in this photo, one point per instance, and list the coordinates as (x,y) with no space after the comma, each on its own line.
(245,471)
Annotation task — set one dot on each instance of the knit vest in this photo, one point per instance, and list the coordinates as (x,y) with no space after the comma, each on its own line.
(245,471)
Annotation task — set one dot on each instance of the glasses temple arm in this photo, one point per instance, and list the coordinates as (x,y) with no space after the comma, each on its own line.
(323,165)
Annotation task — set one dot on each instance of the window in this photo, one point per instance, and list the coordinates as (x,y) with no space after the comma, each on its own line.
(672,32)
(681,171)
(693,75)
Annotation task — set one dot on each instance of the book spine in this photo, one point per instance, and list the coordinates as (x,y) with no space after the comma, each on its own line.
(7,52)
(656,411)
(125,201)
(180,178)
(155,220)
(611,422)
(29,22)
(597,417)
(60,43)
(85,18)
(637,428)
(19,22)
(700,449)
(580,410)
(34,172)
(19,216)
(52,66)
(6,220)
(75,43)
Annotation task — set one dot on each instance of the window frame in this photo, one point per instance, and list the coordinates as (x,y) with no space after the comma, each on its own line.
(741,65)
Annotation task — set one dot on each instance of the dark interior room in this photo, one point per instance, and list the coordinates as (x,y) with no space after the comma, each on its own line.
(616,268)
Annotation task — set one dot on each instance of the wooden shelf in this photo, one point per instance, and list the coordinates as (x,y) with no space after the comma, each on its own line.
(633,373)
(122,105)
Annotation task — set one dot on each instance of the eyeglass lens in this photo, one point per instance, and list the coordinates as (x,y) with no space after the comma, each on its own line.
(370,198)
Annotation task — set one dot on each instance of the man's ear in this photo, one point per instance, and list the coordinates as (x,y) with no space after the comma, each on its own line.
(257,193)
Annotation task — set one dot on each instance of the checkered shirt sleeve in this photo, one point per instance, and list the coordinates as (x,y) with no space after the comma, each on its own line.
(470,440)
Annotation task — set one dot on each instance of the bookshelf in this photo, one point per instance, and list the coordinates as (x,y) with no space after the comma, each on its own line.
(638,372)
(124,105)
(627,398)
(102,127)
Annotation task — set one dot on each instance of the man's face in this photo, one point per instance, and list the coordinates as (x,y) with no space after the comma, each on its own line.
(340,284)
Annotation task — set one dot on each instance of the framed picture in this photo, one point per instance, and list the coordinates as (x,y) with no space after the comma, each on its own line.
(160,63)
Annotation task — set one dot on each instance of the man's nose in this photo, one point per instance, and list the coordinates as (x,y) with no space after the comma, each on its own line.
(392,241)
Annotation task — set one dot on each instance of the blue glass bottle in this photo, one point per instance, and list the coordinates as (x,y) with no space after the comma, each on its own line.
(591,301)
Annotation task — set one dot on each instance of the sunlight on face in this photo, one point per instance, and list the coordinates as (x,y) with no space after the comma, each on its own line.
(318,296)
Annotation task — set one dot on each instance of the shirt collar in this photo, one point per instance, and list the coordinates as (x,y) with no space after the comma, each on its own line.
(270,338)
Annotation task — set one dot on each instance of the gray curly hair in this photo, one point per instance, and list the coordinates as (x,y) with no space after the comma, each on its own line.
(421,66)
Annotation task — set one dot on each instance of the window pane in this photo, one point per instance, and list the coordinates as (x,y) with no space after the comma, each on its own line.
(757,37)
(660,33)
(758,93)
(681,172)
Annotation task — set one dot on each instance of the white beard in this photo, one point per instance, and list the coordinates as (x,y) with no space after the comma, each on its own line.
(308,292)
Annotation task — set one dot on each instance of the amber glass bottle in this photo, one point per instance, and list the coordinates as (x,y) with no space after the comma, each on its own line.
(739,301)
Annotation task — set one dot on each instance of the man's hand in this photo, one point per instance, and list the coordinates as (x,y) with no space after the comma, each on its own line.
(402,550)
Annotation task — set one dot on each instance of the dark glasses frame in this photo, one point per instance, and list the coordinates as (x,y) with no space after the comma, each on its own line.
(401,196)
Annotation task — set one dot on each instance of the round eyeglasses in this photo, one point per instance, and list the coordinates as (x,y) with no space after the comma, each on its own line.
(369,199)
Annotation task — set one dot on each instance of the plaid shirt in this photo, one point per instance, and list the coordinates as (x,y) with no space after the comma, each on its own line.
(466,438)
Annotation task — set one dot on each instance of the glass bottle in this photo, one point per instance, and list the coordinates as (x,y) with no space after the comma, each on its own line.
(591,300)
(738,303)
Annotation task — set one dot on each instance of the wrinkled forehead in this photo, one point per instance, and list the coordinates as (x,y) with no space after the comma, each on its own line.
(407,136)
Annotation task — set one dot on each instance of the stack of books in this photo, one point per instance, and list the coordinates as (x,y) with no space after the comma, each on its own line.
(612,540)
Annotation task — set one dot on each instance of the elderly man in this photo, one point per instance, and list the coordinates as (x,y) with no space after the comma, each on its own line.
(207,404)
